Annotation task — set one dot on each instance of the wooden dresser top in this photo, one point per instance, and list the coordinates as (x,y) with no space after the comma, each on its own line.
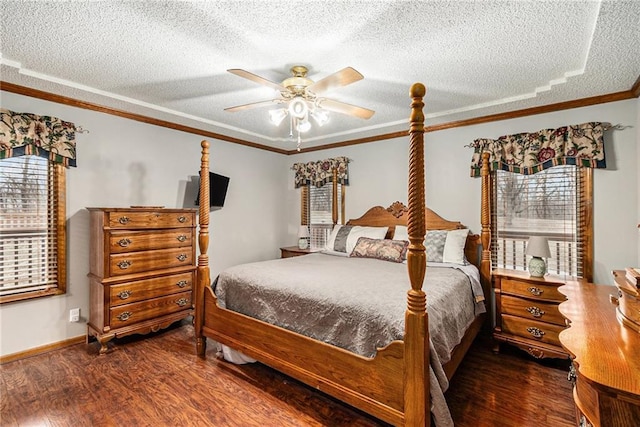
(606,352)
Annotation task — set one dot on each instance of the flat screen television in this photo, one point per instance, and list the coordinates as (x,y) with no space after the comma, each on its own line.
(218,185)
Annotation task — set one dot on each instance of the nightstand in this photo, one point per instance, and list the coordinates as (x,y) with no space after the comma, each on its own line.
(527,314)
(291,251)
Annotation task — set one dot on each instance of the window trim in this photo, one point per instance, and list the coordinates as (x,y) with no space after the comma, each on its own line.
(59,187)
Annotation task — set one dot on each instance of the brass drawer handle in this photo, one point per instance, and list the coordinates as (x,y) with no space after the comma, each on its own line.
(181,238)
(123,220)
(124,294)
(124,264)
(535,291)
(182,218)
(181,257)
(535,332)
(124,242)
(181,283)
(123,317)
(535,311)
(182,302)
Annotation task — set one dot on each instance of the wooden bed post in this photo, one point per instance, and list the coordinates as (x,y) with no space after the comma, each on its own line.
(334,198)
(416,356)
(485,235)
(202,272)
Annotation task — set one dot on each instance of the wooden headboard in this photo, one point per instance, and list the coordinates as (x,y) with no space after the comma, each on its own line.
(396,214)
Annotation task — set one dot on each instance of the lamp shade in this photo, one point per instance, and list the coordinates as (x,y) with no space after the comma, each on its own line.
(538,246)
(303,231)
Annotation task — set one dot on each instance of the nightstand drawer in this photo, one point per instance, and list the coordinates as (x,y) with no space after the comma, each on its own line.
(132,241)
(133,313)
(531,290)
(531,309)
(140,290)
(531,329)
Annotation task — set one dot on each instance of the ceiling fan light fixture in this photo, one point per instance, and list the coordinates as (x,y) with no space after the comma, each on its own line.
(320,116)
(277,116)
(298,108)
(303,125)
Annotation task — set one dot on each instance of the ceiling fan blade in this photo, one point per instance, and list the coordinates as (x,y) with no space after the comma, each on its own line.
(340,78)
(344,108)
(256,78)
(254,105)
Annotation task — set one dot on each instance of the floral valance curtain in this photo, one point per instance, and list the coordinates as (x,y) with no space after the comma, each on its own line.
(528,153)
(321,172)
(45,136)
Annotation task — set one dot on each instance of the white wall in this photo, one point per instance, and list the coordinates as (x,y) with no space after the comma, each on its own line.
(122,162)
(378,176)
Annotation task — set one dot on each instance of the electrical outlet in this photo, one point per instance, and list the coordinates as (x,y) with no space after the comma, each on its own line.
(74,315)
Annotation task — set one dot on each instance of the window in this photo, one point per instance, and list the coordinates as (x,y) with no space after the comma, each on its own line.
(32,228)
(554,203)
(317,211)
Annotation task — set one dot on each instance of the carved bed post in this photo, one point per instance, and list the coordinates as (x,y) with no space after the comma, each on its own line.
(334,198)
(485,235)
(416,351)
(202,272)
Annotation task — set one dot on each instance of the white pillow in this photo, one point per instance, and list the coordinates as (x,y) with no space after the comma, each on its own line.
(454,246)
(449,251)
(401,233)
(345,240)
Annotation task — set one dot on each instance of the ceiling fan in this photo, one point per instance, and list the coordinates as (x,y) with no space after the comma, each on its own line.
(303,94)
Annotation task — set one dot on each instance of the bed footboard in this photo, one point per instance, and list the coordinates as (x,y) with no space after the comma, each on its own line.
(371,384)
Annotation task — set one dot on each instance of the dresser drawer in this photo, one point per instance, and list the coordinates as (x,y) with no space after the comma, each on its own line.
(127,293)
(136,262)
(131,241)
(129,314)
(531,290)
(530,309)
(151,219)
(531,329)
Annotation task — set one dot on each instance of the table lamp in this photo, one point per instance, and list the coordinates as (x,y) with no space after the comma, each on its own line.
(303,237)
(538,248)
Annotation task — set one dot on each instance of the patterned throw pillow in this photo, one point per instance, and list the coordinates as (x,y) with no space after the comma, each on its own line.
(343,238)
(434,242)
(384,249)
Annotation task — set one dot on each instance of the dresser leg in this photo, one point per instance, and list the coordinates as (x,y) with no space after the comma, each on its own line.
(103,340)
(496,347)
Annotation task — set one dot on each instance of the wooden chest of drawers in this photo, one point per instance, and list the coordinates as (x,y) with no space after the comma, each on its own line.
(142,269)
(527,314)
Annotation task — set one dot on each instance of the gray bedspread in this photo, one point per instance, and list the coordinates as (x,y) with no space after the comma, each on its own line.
(356,303)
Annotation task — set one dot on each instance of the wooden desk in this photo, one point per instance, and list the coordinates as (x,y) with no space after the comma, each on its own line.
(606,358)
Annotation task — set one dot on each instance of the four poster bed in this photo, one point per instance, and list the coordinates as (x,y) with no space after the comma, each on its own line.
(393,381)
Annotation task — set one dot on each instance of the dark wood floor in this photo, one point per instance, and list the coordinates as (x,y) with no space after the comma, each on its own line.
(157,380)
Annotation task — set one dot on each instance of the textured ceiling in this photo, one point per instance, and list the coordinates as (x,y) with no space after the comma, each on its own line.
(168,59)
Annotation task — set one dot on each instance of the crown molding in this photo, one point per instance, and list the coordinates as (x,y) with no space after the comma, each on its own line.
(634,92)
(48,96)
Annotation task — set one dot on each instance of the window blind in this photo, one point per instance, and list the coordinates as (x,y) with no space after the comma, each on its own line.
(550,203)
(320,217)
(28,238)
